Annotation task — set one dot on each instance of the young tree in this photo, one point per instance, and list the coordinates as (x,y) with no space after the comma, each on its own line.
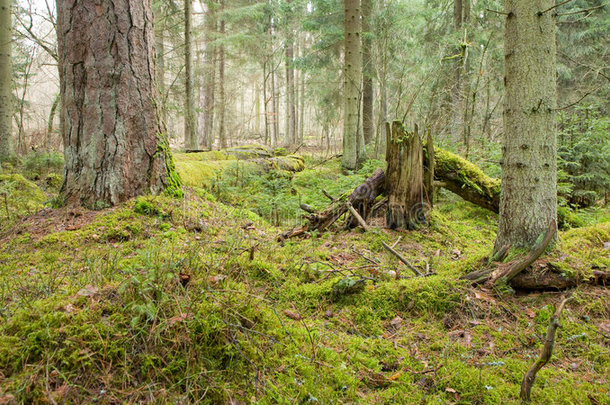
(114,145)
(367,73)
(6,80)
(528,200)
(190,125)
(352,78)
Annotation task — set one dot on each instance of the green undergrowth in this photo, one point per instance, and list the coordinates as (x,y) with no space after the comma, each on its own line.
(193,300)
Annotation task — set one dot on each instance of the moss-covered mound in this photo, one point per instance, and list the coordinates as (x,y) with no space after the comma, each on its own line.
(19,196)
(182,301)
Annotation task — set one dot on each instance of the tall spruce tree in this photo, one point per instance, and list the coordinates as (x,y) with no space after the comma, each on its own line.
(528,199)
(6,81)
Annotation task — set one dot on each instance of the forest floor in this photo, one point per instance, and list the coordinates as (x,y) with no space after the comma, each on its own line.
(181,301)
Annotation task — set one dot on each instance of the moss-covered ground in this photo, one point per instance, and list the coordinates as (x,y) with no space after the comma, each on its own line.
(193,300)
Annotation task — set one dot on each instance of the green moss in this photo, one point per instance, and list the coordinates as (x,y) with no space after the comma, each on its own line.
(468,172)
(173,183)
(19,196)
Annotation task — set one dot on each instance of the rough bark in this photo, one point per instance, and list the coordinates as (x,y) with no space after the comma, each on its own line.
(190,125)
(367,74)
(6,81)
(352,79)
(407,200)
(529,163)
(114,145)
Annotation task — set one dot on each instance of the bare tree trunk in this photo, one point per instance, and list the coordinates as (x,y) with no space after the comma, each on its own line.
(209,76)
(190,125)
(51,121)
(160,49)
(6,81)
(456,93)
(21,145)
(352,79)
(222,131)
(290,89)
(367,74)
(114,145)
(266,102)
(528,199)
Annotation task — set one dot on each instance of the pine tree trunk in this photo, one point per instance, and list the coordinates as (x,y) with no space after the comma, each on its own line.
(456,93)
(528,199)
(50,121)
(6,81)
(367,74)
(352,76)
(114,145)
(190,125)
(160,50)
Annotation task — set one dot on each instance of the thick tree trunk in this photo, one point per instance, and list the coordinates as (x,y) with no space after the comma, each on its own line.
(367,74)
(529,163)
(6,81)
(114,145)
(352,76)
(160,50)
(190,125)
(407,199)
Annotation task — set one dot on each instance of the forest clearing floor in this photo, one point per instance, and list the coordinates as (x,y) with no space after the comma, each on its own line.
(193,300)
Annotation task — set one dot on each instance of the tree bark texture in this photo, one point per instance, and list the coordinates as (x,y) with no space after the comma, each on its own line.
(367,74)
(528,201)
(352,79)
(190,125)
(114,145)
(407,199)
(6,81)
(209,76)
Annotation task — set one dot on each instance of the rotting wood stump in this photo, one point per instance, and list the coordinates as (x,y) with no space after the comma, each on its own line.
(407,197)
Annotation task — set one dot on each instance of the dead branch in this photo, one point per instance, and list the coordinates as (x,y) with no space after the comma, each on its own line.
(545,354)
(401,258)
(360,220)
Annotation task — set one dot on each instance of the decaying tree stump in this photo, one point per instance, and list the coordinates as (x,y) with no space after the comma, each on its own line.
(407,197)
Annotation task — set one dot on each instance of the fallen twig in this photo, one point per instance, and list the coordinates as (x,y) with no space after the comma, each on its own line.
(545,354)
(402,259)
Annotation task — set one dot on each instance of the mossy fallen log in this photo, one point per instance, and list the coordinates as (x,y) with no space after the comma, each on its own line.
(201,168)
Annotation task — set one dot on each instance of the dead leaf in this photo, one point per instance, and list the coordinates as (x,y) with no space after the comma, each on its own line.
(7,399)
(178,318)
(292,315)
(328,314)
(69,308)
(395,376)
(530,312)
(217,278)
(88,291)
(396,322)
(451,390)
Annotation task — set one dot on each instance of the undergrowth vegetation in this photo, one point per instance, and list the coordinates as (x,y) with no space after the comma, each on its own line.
(185,300)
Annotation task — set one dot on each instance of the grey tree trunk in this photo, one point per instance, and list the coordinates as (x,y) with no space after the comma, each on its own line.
(222,132)
(160,50)
(6,81)
(209,78)
(352,79)
(190,125)
(367,74)
(51,121)
(528,199)
(114,145)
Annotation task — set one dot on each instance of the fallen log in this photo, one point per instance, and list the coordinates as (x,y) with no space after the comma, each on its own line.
(360,199)
(505,272)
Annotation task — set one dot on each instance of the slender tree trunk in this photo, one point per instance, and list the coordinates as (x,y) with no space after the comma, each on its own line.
(209,75)
(221,85)
(6,81)
(114,145)
(51,121)
(21,145)
(528,199)
(456,93)
(367,74)
(290,90)
(266,102)
(352,76)
(302,105)
(190,125)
